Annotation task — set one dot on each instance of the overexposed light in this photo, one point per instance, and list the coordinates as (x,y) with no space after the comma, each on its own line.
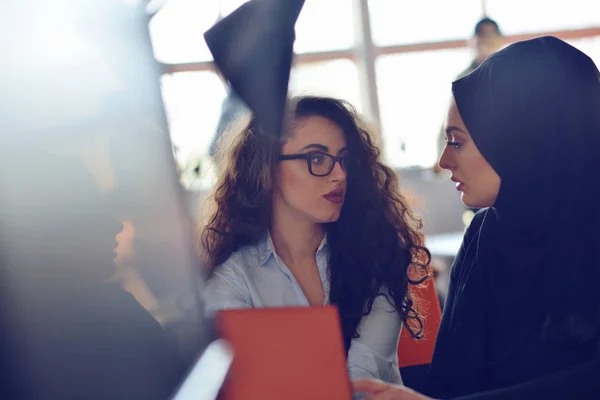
(229,6)
(57,71)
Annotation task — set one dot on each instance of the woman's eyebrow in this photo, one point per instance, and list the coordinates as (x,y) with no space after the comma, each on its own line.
(316,146)
(449,130)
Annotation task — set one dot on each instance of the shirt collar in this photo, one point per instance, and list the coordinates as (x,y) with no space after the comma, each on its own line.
(266,248)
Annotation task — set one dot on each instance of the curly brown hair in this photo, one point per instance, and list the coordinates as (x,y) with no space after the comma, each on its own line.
(374,244)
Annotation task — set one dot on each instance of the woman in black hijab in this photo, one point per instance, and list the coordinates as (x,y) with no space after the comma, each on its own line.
(522,319)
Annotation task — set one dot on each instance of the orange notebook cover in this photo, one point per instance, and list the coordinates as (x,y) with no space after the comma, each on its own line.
(294,353)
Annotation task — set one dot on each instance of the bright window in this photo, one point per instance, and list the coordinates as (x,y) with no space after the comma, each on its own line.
(335,78)
(325,25)
(402,22)
(519,16)
(590,46)
(414,90)
(193,105)
(177,30)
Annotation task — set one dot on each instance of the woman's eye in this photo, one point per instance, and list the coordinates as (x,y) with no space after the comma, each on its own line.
(345,161)
(455,144)
(317,158)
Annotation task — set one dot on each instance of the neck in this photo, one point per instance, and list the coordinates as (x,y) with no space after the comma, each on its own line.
(295,238)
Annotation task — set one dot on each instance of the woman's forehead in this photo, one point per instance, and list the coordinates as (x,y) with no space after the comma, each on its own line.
(316,130)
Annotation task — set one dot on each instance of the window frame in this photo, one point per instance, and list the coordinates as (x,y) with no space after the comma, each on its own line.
(365,54)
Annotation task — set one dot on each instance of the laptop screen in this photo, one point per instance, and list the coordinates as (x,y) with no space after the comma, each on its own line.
(100,282)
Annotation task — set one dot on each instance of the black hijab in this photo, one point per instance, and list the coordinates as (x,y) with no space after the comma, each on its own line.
(527,280)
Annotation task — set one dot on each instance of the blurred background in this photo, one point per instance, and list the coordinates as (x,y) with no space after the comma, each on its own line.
(393,59)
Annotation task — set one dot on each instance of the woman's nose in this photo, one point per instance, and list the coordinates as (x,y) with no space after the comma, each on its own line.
(446,161)
(338,173)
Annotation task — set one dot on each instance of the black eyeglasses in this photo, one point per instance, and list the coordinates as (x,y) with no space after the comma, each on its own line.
(319,164)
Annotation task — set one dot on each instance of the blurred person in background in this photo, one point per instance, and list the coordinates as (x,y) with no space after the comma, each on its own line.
(487,40)
(74,332)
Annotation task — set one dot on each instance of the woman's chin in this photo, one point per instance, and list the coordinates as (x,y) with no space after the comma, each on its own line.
(327,218)
(469,201)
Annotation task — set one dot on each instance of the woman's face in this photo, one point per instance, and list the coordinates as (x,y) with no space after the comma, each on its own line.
(475,178)
(298,191)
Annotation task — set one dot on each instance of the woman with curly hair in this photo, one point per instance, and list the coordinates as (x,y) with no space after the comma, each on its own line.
(316,218)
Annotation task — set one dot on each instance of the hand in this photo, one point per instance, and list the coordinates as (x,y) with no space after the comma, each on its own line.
(379,390)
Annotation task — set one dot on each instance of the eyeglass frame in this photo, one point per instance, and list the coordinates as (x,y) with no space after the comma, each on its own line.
(306,156)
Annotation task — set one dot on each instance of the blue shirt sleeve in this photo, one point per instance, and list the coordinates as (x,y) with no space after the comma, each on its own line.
(226,288)
(374,354)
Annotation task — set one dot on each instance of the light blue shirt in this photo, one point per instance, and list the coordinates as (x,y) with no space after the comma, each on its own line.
(255,276)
